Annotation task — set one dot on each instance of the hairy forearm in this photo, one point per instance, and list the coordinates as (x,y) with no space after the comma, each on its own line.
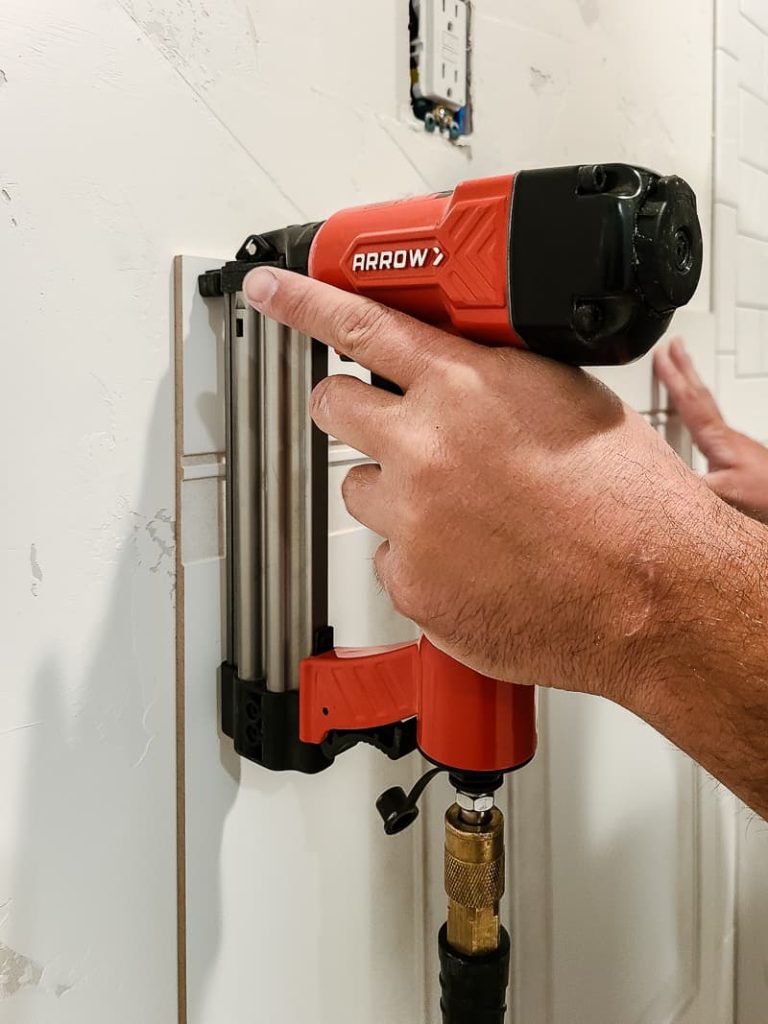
(704,684)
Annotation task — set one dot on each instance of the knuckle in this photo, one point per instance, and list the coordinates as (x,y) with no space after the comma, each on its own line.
(347,487)
(351,483)
(697,394)
(406,594)
(358,324)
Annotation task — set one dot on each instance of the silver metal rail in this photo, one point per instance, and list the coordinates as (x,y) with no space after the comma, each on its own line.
(269,497)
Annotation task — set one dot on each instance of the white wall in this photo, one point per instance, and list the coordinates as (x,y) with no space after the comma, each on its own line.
(741,307)
(108,164)
(133,130)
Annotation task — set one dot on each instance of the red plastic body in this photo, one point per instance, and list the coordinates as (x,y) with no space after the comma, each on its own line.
(442,258)
(466,721)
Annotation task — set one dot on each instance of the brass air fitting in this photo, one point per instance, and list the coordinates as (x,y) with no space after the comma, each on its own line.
(474,878)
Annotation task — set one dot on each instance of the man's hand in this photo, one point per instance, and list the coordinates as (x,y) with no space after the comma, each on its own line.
(528,514)
(738,466)
(540,531)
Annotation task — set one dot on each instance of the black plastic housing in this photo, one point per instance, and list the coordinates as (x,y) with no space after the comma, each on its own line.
(600,257)
(286,248)
(264,728)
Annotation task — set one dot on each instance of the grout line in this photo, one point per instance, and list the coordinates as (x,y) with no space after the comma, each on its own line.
(210,456)
(754,95)
(751,163)
(181,853)
(753,23)
(751,92)
(727,52)
(750,236)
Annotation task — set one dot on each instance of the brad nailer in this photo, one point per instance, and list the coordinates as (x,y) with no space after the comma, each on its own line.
(582,264)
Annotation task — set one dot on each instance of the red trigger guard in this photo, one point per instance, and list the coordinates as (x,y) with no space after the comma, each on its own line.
(466,721)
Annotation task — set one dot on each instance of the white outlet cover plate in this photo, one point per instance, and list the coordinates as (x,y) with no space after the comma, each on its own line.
(444,32)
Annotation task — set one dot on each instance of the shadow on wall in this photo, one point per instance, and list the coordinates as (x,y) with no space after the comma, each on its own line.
(94,878)
(212,782)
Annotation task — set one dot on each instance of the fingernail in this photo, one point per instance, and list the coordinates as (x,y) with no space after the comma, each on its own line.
(259,286)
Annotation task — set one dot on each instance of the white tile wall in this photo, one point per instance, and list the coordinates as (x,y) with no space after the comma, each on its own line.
(740,296)
(740,252)
(753,201)
(752,57)
(752,131)
(757,12)
(727,127)
(751,272)
(727,26)
(744,398)
(749,329)
(724,284)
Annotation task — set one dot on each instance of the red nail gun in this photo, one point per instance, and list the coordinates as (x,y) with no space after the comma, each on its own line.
(583,264)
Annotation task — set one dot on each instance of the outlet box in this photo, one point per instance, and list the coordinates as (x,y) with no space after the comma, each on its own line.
(444,37)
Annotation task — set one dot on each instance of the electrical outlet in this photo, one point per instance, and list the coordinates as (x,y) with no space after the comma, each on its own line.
(440,71)
(444,32)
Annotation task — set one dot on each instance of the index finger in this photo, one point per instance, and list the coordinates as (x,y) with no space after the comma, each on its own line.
(383,340)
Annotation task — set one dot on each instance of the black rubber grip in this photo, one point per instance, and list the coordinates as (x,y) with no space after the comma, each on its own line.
(473,989)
